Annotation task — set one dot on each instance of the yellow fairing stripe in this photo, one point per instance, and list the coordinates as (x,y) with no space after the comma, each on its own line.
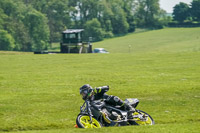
(99,90)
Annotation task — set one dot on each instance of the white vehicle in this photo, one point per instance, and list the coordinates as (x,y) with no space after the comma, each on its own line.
(100,50)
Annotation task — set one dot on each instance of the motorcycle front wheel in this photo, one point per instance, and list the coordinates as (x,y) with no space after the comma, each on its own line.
(83,121)
(138,121)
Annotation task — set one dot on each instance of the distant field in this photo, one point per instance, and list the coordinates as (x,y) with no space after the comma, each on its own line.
(165,40)
(40,93)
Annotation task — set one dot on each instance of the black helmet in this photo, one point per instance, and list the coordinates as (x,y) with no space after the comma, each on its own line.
(86,91)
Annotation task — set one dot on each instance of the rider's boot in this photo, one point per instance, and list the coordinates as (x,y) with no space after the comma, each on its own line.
(116,100)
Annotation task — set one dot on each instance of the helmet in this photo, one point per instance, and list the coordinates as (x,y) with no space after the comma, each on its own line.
(86,91)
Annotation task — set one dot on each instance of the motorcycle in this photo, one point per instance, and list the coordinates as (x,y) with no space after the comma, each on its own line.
(97,114)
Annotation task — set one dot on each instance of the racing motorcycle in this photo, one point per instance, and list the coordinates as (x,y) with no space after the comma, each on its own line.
(97,114)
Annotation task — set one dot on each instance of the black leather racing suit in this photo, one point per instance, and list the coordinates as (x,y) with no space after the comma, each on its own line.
(100,93)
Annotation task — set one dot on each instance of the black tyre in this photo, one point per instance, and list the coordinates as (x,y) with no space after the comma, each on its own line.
(83,121)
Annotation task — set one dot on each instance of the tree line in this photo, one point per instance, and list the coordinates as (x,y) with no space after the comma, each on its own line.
(30,25)
(184,12)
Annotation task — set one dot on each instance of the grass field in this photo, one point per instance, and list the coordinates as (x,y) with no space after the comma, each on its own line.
(166,40)
(40,93)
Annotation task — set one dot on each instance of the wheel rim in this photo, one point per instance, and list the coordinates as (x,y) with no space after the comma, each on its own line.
(85,121)
(141,122)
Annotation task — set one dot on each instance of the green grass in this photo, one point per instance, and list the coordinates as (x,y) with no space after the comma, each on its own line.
(40,93)
(165,40)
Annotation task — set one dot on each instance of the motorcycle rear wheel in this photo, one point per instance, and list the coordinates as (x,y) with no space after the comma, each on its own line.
(137,121)
(83,121)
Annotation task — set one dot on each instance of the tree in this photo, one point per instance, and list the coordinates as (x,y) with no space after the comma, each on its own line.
(12,22)
(110,13)
(93,29)
(6,41)
(17,25)
(105,17)
(195,9)
(163,19)
(57,13)
(113,17)
(181,12)
(2,18)
(86,10)
(59,19)
(129,7)
(147,13)
(21,36)
(119,21)
(38,29)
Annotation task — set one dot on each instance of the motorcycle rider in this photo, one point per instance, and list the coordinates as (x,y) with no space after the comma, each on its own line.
(98,93)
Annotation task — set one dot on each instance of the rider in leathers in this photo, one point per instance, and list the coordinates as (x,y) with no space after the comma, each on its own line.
(98,93)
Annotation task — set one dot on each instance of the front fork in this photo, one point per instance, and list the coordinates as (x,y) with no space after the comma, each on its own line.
(89,111)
